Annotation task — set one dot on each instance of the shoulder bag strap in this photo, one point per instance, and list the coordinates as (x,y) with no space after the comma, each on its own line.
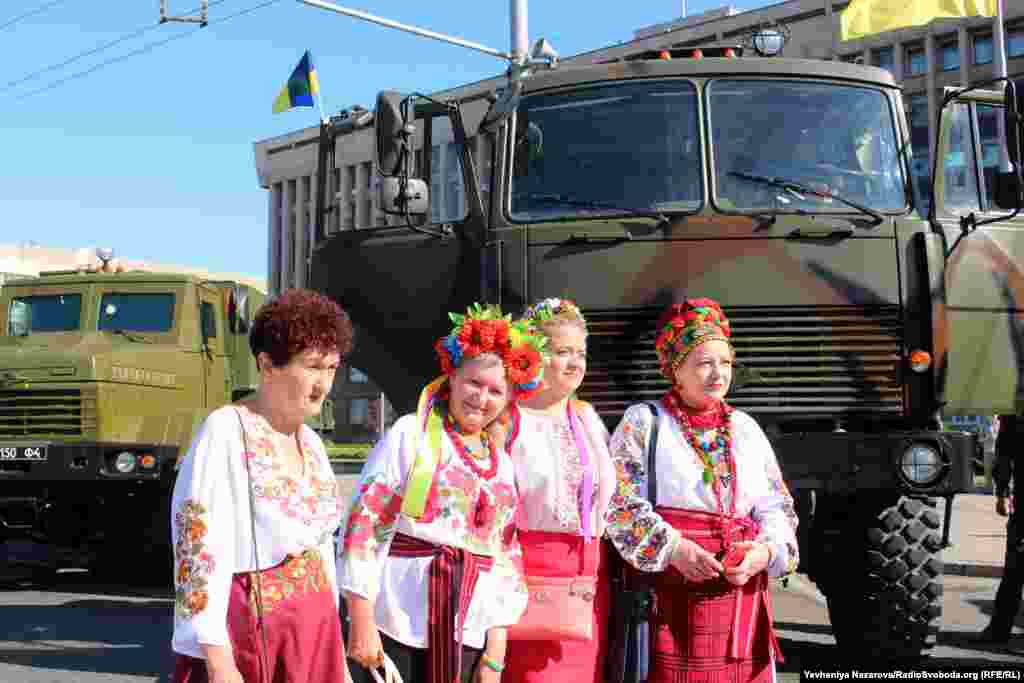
(256,577)
(652,450)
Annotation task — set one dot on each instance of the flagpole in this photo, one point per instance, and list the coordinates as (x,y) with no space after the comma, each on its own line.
(999,71)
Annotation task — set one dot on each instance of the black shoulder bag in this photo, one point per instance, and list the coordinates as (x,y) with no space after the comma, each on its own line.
(257,579)
(631,591)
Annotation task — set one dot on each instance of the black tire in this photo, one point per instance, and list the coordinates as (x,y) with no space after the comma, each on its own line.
(887,599)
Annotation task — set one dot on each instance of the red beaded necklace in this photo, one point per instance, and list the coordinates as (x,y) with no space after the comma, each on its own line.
(717,417)
(460,448)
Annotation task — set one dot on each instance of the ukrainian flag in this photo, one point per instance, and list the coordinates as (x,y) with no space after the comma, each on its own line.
(868,17)
(301,87)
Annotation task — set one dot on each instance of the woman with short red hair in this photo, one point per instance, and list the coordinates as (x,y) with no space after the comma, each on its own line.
(254,511)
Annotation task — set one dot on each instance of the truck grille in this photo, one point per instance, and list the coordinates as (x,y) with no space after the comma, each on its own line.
(38,413)
(792,361)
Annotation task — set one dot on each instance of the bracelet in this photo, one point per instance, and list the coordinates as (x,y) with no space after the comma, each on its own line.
(491,664)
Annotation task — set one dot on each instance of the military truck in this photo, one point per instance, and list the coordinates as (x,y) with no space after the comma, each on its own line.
(779,187)
(104,376)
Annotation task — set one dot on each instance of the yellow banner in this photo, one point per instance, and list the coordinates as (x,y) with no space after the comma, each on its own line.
(868,17)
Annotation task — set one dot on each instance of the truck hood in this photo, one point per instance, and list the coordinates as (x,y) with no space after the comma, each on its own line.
(92,356)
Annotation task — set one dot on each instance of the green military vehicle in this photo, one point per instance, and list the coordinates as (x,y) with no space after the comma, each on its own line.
(779,187)
(104,376)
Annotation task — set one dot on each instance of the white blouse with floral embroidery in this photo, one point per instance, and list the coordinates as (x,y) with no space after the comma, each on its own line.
(211,523)
(549,470)
(466,512)
(646,540)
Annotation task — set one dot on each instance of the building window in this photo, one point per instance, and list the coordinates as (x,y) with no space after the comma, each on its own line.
(950,56)
(920,169)
(983,49)
(1015,43)
(884,58)
(359,412)
(356,376)
(916,61)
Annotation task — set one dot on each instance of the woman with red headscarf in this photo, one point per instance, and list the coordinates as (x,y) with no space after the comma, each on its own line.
(723,519)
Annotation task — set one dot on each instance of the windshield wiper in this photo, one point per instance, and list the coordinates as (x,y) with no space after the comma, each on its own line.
(129,336)
(566,200)
(793,186)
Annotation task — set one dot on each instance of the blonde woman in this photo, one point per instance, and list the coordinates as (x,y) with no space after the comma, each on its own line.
(565,480)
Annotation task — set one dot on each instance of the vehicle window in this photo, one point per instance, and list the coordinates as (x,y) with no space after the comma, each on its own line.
(836,138)
(595,150)
(989,117)
(447,191)
(209,320)
(960,180)
(44,313)
(137,312)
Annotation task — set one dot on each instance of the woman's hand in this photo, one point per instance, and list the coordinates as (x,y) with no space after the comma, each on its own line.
(757,558)
(485,674)
(495,651)
(220,665)
(364,644)
(695,563)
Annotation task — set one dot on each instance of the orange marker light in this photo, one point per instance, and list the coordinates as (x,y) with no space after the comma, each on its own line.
(920,361)
(697,54)
(147,461)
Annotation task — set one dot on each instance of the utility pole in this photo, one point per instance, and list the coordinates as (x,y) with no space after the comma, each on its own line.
(201,19)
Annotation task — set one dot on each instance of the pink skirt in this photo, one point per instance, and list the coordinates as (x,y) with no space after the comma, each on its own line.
(534,661)
(300,619)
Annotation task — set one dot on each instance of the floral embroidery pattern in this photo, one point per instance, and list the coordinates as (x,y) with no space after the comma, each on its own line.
(194,561)
(297,575)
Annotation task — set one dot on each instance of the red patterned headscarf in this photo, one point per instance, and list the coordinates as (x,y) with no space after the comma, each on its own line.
(683,327)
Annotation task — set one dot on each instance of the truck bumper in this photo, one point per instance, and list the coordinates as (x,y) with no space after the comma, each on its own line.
(848,462)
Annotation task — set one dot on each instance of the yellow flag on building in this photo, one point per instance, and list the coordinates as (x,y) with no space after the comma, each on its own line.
(868,17)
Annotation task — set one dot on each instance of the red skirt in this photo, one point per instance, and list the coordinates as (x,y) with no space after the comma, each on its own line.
(711,631)
(300,619)
(537,661)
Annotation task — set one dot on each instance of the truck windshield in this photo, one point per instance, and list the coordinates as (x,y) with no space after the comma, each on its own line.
(607,150)
(44,313)
(836,138)
(137,312)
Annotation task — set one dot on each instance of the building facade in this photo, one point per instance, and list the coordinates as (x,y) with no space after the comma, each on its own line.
(923,60)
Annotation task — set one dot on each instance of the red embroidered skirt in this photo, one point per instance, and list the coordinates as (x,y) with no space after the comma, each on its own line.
(534,661)
(301,621)
(710,631)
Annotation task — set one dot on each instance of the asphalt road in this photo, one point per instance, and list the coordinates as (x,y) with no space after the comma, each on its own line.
(81,630)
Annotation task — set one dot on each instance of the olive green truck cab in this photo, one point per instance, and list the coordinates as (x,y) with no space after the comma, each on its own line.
(104,377)
(779,187)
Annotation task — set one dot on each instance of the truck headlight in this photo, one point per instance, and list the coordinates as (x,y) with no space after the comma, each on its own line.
(921,464)
(124,462)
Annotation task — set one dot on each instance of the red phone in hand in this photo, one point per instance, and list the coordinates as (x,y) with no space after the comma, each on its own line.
(734,556)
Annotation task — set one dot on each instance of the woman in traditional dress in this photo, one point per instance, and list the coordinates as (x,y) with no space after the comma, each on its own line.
(565,479)
(723,520)
(254,511)
(429,562)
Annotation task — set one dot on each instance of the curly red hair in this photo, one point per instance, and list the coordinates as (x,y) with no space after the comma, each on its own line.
(297,320)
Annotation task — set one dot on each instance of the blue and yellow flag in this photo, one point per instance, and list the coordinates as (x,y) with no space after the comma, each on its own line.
(868,17)
(301,87)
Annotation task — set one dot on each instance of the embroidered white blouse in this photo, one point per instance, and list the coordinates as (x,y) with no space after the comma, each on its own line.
(647,541)
(399,585)
(211,526)
(549,470)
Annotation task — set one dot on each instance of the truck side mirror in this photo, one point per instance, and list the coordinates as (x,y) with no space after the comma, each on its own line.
(1008,190)
(239,318)
(397,193)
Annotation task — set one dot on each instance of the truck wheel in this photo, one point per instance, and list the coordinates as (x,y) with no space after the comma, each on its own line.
(888,600)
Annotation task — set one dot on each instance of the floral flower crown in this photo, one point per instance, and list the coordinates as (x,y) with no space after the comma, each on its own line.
(484,329)
(547,309)
(683,327)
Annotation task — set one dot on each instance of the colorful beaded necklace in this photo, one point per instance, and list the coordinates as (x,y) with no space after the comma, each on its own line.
(716,418)
(467,456)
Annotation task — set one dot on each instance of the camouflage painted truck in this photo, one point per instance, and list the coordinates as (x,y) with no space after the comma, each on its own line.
(781,188)
(104,376)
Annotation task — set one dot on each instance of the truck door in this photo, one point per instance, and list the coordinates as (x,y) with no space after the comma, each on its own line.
(216,378)
(982,320)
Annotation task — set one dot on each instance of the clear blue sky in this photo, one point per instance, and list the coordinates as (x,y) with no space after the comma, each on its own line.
(153,155)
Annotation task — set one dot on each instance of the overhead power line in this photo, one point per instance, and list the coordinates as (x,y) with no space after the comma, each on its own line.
(142,30)
(31,13)
(144,49)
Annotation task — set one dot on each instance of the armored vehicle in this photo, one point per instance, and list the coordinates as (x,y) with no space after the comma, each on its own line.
(779,187)
(104,376)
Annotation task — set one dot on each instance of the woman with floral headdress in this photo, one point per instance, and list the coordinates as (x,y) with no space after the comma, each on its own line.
(565,479)
(723,520)
(429,562)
